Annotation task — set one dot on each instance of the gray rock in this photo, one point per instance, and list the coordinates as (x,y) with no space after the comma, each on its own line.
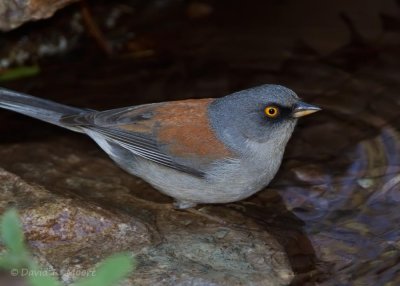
(15,13)
(73,220)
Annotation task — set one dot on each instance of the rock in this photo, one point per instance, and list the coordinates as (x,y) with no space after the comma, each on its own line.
(65,233)
(205,258)
(77,208)
(15,13)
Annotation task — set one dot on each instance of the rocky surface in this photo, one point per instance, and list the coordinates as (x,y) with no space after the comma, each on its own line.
(74,217)
(14,13)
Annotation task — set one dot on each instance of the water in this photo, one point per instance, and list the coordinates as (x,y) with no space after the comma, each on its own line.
(345,181)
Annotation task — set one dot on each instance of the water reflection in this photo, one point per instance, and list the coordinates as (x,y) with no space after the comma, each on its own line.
(351,210)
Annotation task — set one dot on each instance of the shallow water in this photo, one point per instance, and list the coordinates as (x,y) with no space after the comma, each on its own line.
(341,177)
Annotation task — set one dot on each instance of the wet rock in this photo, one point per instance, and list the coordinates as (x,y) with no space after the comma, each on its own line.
(77,208)
(15,13)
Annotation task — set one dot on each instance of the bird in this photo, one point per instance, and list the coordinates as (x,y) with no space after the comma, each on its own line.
(197,151)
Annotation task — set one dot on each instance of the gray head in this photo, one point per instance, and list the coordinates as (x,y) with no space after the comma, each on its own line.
(266,113)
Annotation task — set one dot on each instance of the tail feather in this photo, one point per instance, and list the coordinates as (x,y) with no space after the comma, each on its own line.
(35,107)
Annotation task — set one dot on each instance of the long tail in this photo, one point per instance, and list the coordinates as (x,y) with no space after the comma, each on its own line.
(38,108)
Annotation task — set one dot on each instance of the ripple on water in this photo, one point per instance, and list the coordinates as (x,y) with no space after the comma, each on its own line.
(350,202)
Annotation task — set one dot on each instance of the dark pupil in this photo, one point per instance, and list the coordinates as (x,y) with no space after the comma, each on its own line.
(271,111)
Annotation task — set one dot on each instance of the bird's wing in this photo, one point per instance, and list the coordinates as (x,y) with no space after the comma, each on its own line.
(174,134)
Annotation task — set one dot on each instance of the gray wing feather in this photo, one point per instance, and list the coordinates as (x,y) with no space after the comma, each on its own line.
(106,124)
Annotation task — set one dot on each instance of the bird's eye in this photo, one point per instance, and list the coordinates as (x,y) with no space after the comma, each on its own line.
(271,111)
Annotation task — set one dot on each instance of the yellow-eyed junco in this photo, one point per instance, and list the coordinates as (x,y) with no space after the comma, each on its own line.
(196,151)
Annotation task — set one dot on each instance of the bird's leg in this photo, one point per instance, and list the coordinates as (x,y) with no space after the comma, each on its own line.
(181,205)
(190,208)
(184,206)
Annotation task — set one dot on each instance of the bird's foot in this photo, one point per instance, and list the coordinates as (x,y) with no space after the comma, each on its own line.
(190,208)
(181,205)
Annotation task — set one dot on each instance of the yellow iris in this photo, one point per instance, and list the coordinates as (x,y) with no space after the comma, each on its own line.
(271,111)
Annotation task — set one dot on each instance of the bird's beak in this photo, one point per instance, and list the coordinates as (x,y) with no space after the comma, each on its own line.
(302,109)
